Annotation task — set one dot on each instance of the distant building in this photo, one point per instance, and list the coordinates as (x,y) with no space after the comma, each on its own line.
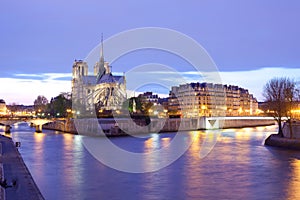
(248,103)
(3,109)
(174,108)
(149,97)
(153,104)
(239,101)
(101,90)
(208,99)
(21,110)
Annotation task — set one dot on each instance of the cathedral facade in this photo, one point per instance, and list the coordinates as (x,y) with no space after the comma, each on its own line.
(100,91)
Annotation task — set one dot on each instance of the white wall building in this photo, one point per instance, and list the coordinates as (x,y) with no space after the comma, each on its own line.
(208,99)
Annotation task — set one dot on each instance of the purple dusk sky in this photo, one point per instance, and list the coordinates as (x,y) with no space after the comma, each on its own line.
(42,38)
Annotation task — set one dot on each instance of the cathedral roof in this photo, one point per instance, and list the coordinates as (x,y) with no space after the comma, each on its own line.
(109,78)
(89,80)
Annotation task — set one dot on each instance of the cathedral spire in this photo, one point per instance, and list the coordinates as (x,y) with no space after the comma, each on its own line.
(101,51)
(99,69)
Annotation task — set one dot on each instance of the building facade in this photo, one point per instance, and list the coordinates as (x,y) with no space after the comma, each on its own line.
(100,91)
(3,109)
(208,99)
(149,97)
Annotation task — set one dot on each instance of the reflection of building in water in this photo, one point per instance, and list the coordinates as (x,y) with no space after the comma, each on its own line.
(103,90)
(208,99)
(3,109)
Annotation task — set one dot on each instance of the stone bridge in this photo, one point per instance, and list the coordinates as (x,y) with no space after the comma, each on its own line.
(37,122)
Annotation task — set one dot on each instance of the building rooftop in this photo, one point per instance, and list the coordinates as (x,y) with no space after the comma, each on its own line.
(109,78)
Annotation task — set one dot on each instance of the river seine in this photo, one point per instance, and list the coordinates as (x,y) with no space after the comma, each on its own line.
(238,167)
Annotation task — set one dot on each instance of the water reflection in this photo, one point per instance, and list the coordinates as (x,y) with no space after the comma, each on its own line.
(209,142)
(165,142)
(156,142)
(68,140)
(38,151)
(154,155)
(152,143)
(39,138)
(293,188)
(197,137)
(237,167)
(73,157)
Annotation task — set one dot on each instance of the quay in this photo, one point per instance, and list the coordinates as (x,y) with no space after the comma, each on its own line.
(290,139)
(121,126)
(18,178)
(276,141)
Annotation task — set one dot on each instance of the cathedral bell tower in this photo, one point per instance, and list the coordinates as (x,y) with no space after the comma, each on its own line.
(80,68)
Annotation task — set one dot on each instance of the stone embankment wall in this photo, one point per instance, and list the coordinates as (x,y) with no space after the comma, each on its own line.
(276,141)
(240,123)
(67,126)
(295,130)
(288,141)
(119,126)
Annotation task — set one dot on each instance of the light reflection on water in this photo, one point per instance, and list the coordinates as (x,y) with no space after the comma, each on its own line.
(293,190)
(238,167)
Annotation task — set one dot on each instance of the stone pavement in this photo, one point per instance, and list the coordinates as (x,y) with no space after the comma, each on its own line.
(14,169)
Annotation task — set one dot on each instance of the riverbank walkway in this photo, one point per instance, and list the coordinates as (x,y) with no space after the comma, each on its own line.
(20,184)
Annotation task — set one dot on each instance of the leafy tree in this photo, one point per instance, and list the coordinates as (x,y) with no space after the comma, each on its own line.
(137,105)
(279,95)
(59,105)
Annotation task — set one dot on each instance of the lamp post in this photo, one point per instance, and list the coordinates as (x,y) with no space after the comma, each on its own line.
(69,113)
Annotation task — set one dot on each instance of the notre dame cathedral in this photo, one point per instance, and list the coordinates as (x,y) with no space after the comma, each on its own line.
(102,90)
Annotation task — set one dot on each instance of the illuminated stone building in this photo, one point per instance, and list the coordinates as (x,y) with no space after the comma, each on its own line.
(102,90)
(248,104)
(208,99)
(3,109)
(149,97)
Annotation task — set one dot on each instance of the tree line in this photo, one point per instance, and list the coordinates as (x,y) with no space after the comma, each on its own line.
(58,106)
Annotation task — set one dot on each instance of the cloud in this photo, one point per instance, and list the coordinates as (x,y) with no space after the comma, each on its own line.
(24,88)
(45,76)
(253,80)
(256,79)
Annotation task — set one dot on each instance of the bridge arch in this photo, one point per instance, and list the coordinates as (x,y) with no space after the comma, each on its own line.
(37,122)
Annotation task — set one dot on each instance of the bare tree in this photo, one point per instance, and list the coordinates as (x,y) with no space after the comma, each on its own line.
(290,99)
(279,95)
(40,103)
